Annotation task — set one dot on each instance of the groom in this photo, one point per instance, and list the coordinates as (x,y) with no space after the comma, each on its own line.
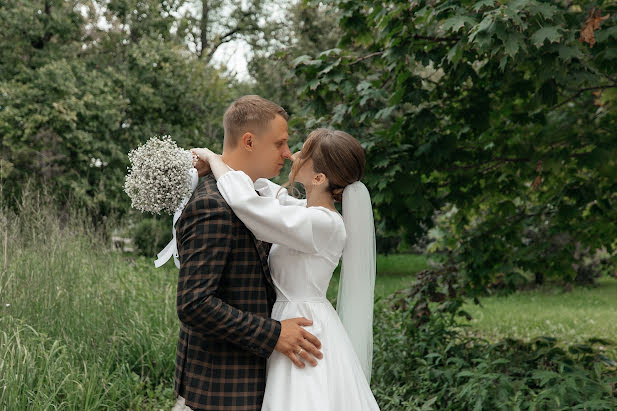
(225,292)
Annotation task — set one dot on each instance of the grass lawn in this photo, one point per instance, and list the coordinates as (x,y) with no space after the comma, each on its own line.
(393,273)
(572,317)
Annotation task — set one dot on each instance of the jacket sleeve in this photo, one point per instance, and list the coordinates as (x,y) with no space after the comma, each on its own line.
(308,230)
(204,244)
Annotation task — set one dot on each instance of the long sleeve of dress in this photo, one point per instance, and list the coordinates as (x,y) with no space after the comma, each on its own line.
(267,188)
(304,229)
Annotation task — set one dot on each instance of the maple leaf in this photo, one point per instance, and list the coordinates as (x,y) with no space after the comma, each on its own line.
(591,25)
(550,33)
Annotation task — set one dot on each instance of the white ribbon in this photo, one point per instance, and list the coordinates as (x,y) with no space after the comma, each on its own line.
(171,249)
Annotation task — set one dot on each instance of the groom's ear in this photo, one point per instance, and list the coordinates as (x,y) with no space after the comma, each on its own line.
(247,141)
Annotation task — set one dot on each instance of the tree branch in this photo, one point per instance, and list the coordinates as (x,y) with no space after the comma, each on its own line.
(581,91)
(437,39)
(377,53)
(222,40)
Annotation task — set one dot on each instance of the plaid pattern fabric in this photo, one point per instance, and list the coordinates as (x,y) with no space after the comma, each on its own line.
(225,294)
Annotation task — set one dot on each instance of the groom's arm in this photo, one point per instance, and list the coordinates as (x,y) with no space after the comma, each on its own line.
(204,244)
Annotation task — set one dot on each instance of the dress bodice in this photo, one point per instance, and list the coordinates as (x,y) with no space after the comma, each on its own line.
(300,276)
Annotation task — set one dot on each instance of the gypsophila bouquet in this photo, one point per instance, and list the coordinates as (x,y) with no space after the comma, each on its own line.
(159,177)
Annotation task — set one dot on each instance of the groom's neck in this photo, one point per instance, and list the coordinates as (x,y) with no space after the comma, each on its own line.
(237,161)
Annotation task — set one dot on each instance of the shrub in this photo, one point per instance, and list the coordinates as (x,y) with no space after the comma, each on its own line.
(151,234)
(424,360)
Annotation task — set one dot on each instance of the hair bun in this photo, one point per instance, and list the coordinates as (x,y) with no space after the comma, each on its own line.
(337,193)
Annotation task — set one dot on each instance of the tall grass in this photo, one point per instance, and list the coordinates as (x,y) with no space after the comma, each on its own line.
(81,327)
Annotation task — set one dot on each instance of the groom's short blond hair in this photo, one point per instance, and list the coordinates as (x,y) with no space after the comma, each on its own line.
(249,114)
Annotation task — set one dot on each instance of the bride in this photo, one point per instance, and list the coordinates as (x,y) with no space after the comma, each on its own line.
(309,238)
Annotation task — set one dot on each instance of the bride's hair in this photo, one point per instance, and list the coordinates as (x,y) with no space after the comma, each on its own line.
(334,153)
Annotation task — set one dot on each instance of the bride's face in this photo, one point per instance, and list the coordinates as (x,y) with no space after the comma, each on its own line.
(305,174)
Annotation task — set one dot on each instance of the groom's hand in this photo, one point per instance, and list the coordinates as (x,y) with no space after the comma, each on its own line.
(297,343)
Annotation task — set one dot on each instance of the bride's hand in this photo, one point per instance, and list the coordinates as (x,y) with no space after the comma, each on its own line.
(203,162)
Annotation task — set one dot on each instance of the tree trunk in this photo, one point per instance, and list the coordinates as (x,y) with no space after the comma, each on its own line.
(539,278)
(40,42)
(204,28)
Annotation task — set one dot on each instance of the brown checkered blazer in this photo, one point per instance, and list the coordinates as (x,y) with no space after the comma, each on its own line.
(225,294)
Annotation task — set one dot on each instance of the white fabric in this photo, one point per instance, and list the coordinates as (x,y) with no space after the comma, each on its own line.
(308,243)
(269,189)
(357,284)
(171,249)
(300,228)
(180,405)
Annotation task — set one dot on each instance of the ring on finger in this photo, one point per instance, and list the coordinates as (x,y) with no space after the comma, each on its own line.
(300,351)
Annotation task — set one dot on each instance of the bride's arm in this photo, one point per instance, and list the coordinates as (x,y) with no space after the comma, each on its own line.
(264,186)
(304,229)
(270,189)
(298,227)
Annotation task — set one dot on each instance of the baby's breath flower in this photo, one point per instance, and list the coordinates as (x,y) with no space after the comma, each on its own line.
(159,176)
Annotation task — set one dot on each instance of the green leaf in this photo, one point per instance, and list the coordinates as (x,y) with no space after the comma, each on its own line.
(313,84)
(546,10)
(550,33)
(364,85)
(455,53)
(483,3)
(301,60)
(502,62)
(328,52)
(567,53)
(513,43)
(397,96)
(603,35)
(455,23)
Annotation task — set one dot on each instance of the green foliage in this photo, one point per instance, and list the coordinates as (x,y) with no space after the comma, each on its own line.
(75,98)
(108,334)
(81,327)
(422,360)
(496,108)
(304,29)
(151,235)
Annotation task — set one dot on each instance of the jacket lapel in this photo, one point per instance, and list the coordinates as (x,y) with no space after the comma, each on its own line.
(262,249)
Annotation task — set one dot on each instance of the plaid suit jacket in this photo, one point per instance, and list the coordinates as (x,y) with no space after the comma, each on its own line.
(225,295)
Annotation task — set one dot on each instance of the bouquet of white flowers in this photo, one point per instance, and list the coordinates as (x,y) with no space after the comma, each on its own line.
(160,176)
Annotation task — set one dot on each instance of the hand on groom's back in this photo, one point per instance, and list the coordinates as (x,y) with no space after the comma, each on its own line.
(297,343)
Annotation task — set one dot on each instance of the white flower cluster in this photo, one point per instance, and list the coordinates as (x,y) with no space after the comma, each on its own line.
(159,176)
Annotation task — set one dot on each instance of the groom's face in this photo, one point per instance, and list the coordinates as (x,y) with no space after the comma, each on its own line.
(271,149)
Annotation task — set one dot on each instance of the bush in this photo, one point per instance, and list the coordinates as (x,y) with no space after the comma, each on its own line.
(424,360)
(535,251)
(151,234)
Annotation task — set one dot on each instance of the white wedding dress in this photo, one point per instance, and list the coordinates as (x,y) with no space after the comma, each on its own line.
(307,246)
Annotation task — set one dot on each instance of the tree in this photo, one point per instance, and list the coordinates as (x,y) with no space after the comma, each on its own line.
(208,24)
(305,29)
(76,97)
(504,110)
